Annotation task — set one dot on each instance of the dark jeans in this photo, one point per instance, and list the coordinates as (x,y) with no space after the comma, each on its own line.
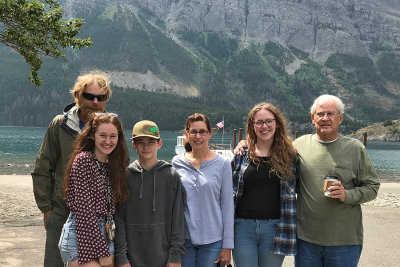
(54,225)
(312,255)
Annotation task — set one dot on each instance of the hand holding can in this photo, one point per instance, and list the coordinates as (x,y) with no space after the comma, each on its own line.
(328,180)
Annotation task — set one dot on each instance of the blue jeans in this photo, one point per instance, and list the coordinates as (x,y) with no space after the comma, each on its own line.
(309,254)
(201,255)
(68,244)
(254,240)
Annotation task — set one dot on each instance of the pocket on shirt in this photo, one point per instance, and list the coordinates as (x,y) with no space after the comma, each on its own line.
(345,174)
(147,244)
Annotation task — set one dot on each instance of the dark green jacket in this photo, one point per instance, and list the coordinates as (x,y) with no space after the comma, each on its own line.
(51,161)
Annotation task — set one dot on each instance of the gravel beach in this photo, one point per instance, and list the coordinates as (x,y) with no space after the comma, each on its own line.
(22,234)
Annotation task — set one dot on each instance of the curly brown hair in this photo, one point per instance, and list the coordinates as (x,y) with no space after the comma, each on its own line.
(282,152)
(118,159)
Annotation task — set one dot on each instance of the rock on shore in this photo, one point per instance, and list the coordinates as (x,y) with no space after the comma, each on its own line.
(386,131)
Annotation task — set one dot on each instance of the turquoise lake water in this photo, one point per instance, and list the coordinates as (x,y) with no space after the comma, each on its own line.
(19,147)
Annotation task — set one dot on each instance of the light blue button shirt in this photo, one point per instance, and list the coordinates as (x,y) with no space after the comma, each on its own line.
(208,200)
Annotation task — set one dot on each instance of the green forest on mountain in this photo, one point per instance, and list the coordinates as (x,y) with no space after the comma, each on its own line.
(231,77)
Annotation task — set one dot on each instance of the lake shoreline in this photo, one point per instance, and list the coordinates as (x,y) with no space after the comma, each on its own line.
(19,147)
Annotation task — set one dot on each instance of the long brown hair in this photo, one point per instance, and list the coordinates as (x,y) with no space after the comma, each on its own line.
(118,159)
(190,120)
(282,151)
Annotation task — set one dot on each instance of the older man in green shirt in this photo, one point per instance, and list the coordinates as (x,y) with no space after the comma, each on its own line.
(329,229)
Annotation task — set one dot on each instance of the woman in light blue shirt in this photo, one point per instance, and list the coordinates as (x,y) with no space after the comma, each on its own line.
(207,181)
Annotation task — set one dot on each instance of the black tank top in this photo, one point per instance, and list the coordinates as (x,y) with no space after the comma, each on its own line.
(261,193)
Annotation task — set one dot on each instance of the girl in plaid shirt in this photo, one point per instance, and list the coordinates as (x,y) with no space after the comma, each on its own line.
(264,183)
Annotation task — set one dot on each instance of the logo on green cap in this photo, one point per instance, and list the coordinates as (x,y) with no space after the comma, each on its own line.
(153,129)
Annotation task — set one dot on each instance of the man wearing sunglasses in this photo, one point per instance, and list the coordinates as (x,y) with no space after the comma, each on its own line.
(91,92)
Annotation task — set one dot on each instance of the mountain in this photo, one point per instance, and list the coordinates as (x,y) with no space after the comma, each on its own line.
(170,58)
(318,27)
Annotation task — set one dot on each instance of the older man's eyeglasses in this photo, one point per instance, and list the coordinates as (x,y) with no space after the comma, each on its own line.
(330,114)
(202,132)
(90,96)
(260,124)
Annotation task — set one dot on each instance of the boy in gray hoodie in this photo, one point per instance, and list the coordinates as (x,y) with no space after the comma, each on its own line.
(150,226)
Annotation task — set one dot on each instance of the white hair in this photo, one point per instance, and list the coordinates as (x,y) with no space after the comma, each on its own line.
(323,98)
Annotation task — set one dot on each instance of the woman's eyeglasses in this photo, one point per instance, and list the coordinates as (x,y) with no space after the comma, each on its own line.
(102,114)
(202,132)
(90,96)
(260,124)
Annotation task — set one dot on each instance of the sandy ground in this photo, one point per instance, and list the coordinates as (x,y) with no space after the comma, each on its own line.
(22,235)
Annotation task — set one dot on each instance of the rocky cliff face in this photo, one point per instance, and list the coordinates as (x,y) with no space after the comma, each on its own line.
(318,27)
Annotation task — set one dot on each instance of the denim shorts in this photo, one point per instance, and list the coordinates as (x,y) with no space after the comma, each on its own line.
(68,245)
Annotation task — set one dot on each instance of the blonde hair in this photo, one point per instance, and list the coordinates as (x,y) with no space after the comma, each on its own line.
(90,78)
(282,151)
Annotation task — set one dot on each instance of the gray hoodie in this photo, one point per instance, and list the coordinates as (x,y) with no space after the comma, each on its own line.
(150,226)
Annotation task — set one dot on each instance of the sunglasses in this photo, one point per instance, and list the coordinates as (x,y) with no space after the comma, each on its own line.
(102,114)
(90,96)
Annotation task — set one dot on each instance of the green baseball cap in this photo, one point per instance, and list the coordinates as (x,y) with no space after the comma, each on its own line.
(145,128)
